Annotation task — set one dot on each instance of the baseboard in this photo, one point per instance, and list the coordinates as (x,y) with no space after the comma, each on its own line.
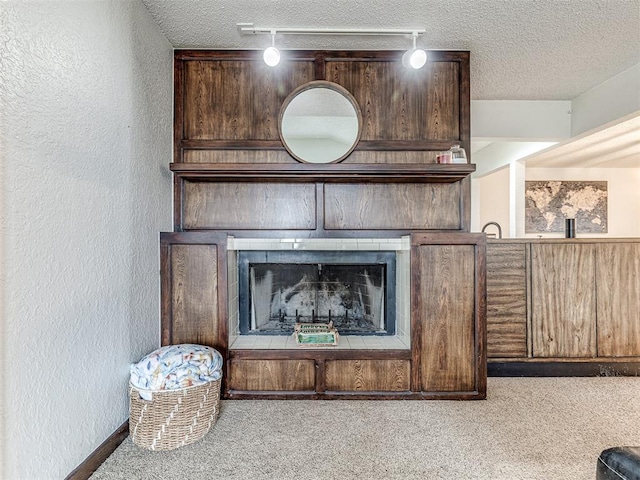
(563,369)
(100,454)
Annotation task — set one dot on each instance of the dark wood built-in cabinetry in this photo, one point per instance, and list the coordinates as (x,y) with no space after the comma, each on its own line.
(233,177)
(446,359)
(563,301)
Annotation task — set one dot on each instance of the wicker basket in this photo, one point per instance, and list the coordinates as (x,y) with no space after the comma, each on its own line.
(173,418)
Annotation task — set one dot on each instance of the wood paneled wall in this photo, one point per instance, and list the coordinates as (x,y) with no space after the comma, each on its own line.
(227,103)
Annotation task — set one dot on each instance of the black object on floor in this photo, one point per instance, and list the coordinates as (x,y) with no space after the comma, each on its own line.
(619,463)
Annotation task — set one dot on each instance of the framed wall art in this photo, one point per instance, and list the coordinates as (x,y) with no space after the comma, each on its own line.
(549,203)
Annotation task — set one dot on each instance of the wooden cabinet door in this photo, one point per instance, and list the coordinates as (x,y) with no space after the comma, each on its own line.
(506,300)
(448,312)
(193,289)
(563,300)
(618,299)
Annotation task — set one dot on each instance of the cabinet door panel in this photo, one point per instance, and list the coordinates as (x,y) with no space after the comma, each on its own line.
(193,295)
(618,295)
(506,300)
(563,300)
(448,324)
(193,289)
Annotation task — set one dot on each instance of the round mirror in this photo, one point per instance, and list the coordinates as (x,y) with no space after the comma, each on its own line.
(320,122)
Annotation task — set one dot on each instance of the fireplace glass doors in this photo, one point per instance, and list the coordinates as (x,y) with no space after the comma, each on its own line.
(353,289)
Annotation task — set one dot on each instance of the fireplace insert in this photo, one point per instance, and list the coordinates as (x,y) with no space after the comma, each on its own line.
(353,289)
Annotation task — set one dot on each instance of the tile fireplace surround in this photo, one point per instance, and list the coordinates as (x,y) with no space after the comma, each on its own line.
(399,245)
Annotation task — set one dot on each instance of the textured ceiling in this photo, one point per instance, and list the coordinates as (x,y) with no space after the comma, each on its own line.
(520,49)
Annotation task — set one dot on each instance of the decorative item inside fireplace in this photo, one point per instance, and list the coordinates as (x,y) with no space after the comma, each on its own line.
(353,289)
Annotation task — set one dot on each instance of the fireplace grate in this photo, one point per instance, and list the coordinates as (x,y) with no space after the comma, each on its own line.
(354,290)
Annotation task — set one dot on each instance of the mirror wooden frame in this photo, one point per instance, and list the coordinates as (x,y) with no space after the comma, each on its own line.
(326,85)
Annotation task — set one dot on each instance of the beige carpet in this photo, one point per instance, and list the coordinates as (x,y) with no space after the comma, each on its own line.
(528,428)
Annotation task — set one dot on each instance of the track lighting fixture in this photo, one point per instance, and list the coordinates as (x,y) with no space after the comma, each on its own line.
(413,58)
(271,54)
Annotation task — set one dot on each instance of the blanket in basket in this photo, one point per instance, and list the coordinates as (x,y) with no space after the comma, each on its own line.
(177,366)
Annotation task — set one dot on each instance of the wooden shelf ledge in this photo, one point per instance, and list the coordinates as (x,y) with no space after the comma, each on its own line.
(335,173)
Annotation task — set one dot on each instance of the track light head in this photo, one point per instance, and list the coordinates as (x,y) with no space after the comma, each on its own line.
(271,54)
(415,57)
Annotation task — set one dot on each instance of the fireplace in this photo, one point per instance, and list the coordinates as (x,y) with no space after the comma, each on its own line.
(356,290)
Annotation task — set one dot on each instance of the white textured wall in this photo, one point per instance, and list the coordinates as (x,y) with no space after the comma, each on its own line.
(492,197)
(623,196)
(493,201)
(86,93)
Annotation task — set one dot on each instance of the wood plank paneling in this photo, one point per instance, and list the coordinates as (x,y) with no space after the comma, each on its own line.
(237,156)
(506,300)
(367,375)
(398,104)
(392,157)
(447,313)
(392,206)
(443,102)
(271,375)
(238,99)
(233,205)
(281,156)
(618,299)
(194,294)
(563,300)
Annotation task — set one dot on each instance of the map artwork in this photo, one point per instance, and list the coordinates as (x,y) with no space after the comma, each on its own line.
(549,203)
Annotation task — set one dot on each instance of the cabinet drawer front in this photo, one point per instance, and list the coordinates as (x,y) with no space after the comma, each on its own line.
(367,375)
(272,375)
